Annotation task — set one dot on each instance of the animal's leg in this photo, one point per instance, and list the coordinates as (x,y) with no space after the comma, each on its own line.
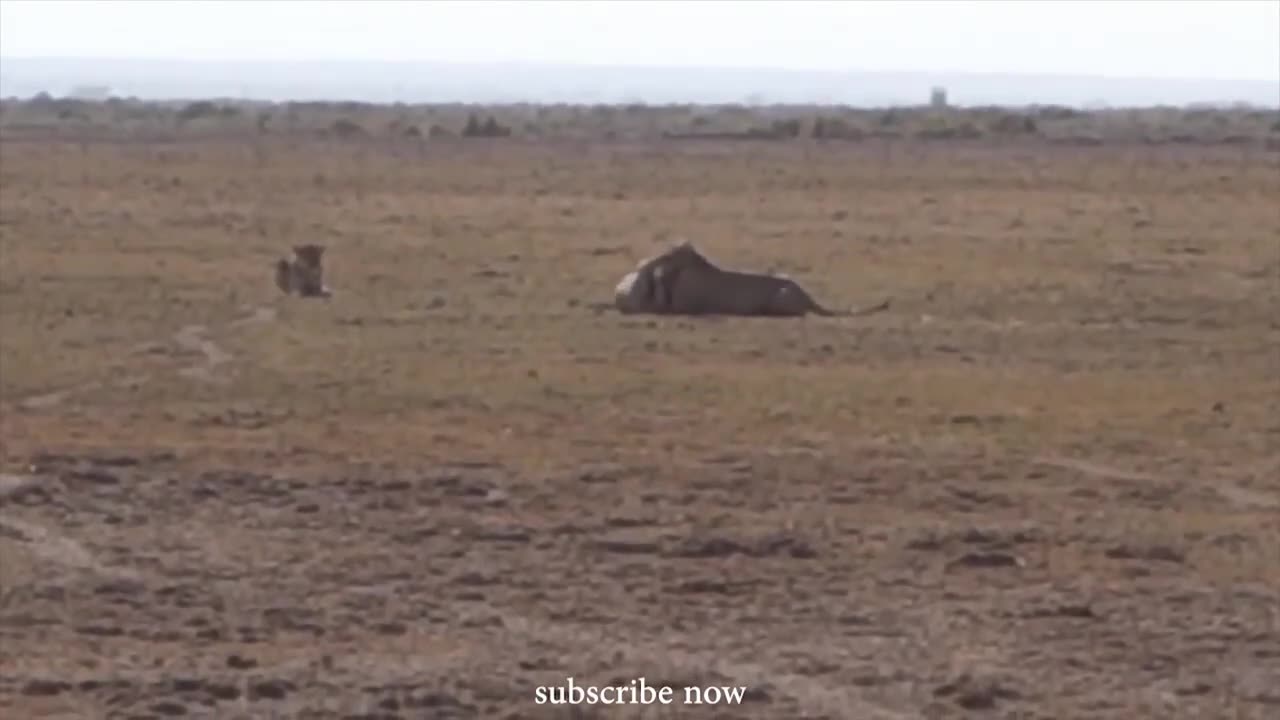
(663,289)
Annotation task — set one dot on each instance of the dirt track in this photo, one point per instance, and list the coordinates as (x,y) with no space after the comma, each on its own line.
(1042,486)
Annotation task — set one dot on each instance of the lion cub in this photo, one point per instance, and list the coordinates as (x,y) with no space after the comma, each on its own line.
(303,273)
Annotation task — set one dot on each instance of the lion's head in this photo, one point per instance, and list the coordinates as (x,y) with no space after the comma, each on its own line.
(309,255)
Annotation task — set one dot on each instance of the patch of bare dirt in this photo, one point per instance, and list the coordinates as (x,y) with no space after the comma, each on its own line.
(456,592)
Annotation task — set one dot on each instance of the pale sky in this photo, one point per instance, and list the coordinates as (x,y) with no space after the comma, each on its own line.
(1146,38)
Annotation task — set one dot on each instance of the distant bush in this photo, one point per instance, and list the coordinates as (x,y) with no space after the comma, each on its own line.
(963,131)
(198,109)
(786,128)
(889,118)
(345,129)
(1013,124)
(834,128)
(1057,112)
(490,128)
(201,109)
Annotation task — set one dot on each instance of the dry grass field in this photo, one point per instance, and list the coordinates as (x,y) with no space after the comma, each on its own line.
(1044,484)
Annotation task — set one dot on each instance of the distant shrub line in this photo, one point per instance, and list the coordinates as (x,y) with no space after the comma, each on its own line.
(1234,125)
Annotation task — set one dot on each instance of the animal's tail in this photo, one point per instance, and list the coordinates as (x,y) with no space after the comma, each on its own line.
(879,307)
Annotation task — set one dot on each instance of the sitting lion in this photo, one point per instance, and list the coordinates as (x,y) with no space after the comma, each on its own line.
(304,273)
(681,281)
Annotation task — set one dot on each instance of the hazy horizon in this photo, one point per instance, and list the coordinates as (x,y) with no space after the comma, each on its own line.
(854,52)
(599,66)
(515,82)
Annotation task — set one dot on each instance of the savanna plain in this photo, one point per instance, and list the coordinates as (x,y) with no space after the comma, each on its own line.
(1044,484)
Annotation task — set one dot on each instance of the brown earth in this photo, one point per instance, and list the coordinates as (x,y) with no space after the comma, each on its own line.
(1045,484)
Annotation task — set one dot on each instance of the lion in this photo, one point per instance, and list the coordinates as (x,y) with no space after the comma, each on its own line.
(681,281)
(304,273)
(634,293)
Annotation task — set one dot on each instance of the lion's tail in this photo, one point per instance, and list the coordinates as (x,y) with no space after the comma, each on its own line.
(858,312)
